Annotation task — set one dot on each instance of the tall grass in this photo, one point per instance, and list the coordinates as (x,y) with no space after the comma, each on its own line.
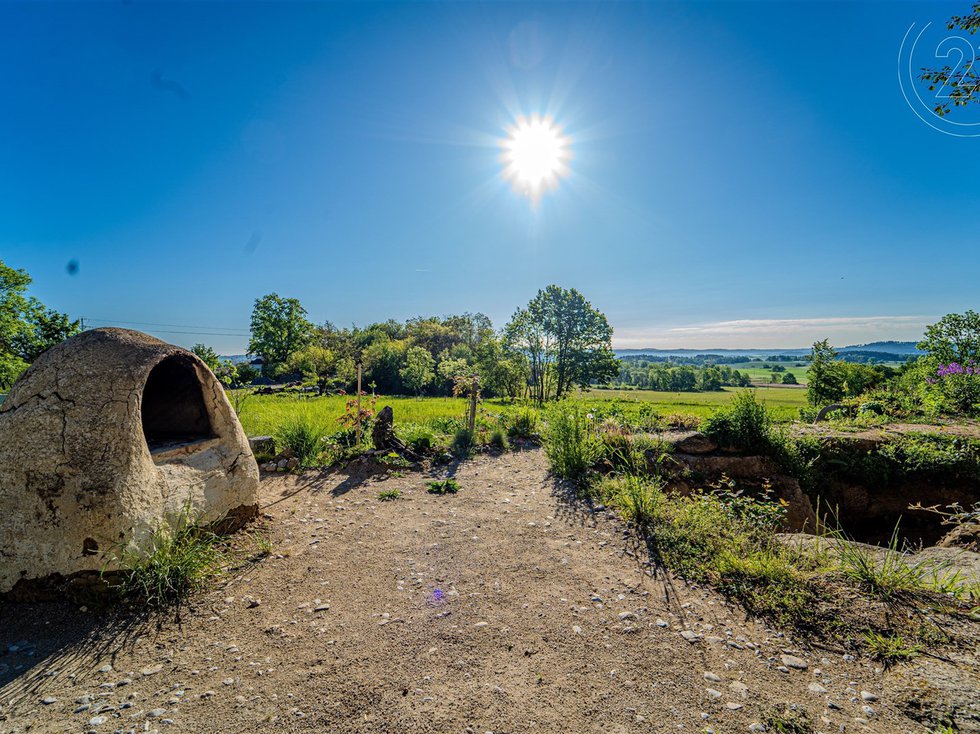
(179,557)
(304,435)
(571,442)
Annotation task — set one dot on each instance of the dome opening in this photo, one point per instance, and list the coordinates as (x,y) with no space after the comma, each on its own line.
(173,407)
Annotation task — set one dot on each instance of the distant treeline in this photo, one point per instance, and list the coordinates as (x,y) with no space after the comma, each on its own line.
(698,360)
(658,374)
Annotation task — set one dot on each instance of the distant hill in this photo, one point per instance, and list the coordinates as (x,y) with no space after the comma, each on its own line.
(875,352)
(890,347)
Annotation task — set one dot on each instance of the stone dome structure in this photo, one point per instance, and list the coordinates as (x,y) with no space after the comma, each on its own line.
(101,439)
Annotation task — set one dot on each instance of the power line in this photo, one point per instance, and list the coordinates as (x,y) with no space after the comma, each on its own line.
(212,330)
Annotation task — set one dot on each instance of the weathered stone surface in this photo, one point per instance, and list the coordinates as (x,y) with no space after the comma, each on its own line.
(102,438)
(692,442)
(383,432)
(966,536)
(932,690)
(262,445)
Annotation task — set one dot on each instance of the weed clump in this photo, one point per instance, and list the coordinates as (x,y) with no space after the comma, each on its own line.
(180,557)
(388,495)
(445,486)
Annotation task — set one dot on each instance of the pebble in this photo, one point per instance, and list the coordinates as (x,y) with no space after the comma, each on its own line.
(228,681)
(661,623)
(49,700)
(868,696)
(816,688)
(98,720)
(792,661)
(152,670)
(740,688)
(757,727)
(712,677)
(155,713)
(576,629)
(868,711)
(731,706)
(712,693)
(689,635)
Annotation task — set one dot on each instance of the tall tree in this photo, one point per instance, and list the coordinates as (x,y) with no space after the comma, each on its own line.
(825,379)
(566,340)
(954,338)
(279,329)
(419,369)
(27,327)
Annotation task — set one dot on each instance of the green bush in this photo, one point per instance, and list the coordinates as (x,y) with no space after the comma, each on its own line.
(420,439)
(304,436)
(462,444)
(498,440)
(571,443)
(744,424)
(523,423)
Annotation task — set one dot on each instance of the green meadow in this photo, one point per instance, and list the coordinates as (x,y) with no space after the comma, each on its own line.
(262,414)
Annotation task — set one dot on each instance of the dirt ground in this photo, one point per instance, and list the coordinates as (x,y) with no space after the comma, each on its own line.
(504,608)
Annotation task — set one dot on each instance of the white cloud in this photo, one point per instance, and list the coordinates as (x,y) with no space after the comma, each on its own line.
(774,333)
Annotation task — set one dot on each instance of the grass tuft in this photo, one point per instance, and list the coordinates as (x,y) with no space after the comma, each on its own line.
(890,649)
(387,495)
(445,486)
(304,435)
(179,558)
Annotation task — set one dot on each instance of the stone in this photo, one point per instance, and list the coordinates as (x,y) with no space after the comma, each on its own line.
(712,677)
(262,445)
(692,442)
(48,700)
(868,696)
(108,431)
(155,713)
(929,690)
(792,661)
(816,689)
(690,635)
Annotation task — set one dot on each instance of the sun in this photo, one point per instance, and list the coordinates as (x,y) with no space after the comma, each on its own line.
(536,155)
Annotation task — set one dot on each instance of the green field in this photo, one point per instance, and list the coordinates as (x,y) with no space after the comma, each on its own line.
(262,414)
(760,372)
(784,403)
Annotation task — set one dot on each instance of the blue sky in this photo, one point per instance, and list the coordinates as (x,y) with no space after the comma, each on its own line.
(743,174)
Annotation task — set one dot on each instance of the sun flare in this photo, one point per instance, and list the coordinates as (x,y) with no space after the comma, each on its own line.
(535,155)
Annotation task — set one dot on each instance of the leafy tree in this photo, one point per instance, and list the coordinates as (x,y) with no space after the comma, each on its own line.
(383,362)
(450,368)
(279,329)
(27,327)
(315,363)
(790,379)
(954,338)
(825,379)
(208,356)
(418,370)
(567,342)
(963,82)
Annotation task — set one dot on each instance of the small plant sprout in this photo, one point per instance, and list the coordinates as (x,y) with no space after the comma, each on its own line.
(387,495)
(445,486)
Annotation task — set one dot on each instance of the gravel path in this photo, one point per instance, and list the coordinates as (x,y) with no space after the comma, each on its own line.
(501,609)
